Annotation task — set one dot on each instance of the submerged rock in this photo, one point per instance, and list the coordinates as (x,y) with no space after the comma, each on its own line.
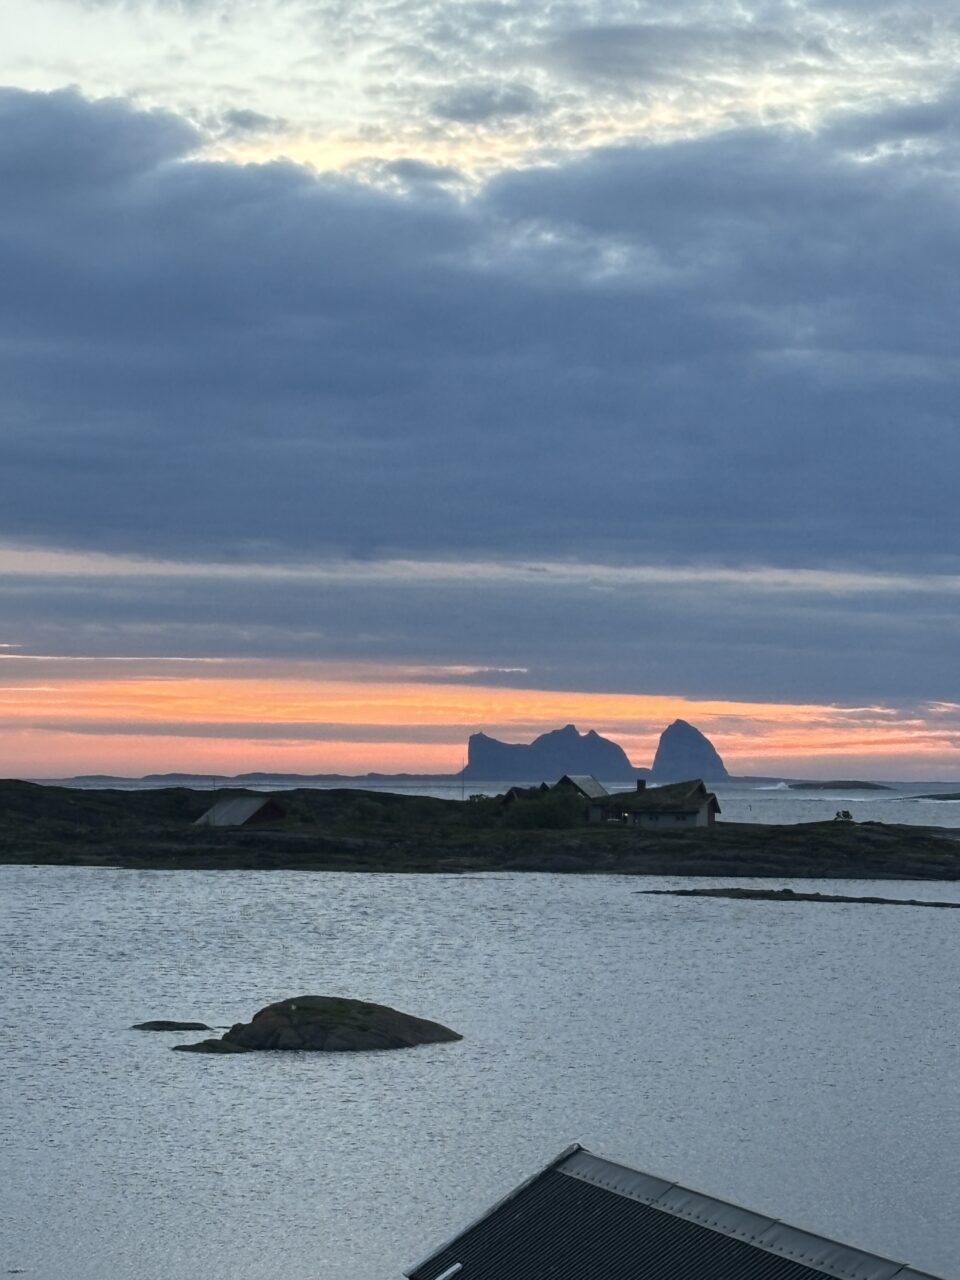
(328,1024)
(164,1024)
(210,1046)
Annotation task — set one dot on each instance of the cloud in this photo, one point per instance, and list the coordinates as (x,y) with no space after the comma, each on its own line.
(360,82)
(61,144)
(478,103)
(453,735)
(658,51)
(244,122)
(935,121)
(187,8)
(614,356)
(604,628)
(408,174)
(720,352)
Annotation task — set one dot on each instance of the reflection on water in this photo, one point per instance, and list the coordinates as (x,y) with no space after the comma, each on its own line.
(800,1058)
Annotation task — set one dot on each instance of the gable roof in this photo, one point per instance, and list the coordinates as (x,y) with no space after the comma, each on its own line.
(235,811)
(523,793)
(585,783)
(676,797)
(586,1216)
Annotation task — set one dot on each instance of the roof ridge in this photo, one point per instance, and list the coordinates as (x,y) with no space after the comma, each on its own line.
(786,1236)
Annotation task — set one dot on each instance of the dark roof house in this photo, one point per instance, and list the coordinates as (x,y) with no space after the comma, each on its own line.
(583,783)
(586,1218)
(241,811)
(678,803)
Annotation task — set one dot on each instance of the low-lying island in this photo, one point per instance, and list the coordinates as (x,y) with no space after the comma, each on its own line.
(352,830)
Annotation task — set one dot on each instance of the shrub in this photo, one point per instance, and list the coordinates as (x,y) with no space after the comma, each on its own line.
(551,811)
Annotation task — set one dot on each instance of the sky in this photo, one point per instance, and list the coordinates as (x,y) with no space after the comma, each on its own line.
(372,374)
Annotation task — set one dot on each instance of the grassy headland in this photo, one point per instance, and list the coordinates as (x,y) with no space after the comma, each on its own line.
(350,830)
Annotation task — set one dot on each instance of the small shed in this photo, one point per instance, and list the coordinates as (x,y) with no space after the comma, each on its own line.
(241,811)
(586,1216)
(679,804)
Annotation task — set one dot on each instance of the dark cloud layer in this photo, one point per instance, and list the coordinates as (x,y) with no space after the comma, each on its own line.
(739,349)
(699,639)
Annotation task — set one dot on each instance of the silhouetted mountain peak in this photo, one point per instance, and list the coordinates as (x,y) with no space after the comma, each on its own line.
(684,752)
(548,757)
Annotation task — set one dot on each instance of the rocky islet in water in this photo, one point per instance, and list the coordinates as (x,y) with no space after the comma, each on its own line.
(792,895)
(325,1024)
(169,1024)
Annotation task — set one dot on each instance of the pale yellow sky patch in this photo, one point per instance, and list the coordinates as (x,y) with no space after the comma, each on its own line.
(343,93)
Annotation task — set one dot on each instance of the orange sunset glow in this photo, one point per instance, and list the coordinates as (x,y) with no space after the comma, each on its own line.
(104,721)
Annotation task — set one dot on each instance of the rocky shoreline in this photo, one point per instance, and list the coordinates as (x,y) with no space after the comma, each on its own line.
(349,830)
(792,895)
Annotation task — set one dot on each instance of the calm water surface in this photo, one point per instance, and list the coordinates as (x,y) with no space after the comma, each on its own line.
(800,1058)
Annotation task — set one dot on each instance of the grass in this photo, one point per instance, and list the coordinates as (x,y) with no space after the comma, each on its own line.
(351,830)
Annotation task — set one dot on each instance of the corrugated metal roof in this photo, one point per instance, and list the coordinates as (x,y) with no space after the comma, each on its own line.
(585,783)
(586,1218)
(235,811)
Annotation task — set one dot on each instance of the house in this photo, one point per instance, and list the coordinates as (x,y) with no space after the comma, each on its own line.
(678,804)
(513,794)
(584,1216)
(584,784)
(241,811)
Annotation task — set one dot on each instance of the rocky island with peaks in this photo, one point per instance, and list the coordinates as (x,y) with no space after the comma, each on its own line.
(550,756)
(683,752)
(352,829)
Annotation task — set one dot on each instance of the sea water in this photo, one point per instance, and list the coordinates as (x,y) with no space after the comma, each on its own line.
(800,1058)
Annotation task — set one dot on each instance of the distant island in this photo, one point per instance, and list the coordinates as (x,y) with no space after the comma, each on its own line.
(845,784)
(549,756)
(683,752)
